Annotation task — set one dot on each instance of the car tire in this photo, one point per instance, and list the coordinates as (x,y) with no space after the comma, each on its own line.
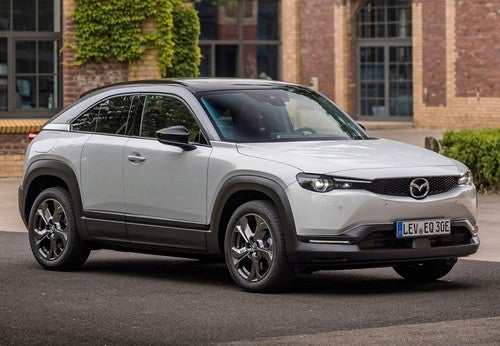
(254,248)
(425,271)
(52,232)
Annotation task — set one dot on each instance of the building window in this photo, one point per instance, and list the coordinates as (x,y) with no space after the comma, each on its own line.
(385,74)
(30,66)
(240,42)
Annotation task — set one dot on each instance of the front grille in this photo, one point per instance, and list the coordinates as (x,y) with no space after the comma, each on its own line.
(387,240)
(401,186)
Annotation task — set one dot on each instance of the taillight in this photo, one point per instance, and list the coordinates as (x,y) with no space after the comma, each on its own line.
(32,135)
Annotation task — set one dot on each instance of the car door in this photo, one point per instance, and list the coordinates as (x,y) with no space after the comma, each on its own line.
(101,167)
(165,186)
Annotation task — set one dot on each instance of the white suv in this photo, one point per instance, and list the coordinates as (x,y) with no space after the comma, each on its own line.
(272,176)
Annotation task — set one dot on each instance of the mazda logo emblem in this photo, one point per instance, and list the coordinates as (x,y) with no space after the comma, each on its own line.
(419,188)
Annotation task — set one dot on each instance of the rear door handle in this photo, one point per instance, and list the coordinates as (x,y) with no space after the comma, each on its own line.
(136,158)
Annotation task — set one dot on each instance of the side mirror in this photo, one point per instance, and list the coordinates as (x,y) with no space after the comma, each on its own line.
(175,135)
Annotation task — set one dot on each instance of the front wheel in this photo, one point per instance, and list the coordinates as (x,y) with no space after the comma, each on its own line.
(52,232)
(254,248)
(425,271)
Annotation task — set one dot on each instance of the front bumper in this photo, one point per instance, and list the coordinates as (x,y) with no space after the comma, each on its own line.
(377,245)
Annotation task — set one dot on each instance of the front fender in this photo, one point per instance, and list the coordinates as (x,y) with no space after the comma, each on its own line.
(266,186)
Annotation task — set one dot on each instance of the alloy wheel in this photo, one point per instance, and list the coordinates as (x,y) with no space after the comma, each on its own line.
(252,247)
(50,229)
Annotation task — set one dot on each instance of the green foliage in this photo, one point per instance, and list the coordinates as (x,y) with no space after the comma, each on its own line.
(114,29)
(480,151)
(186,32)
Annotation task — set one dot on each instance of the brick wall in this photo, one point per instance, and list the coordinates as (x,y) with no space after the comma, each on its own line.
(317,44)
(12,148)
(13,142)
(478,48)
(463,108)
(434,53)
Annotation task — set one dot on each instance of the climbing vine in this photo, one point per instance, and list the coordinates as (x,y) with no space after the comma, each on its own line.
(186,31)
(116,29)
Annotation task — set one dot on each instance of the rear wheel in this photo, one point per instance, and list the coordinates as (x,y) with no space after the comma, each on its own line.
(255,248)
(54,240)
(425,271)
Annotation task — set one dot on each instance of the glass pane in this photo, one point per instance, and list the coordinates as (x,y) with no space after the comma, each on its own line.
(46,92)
(206,61)
(46,16)
(226,58)
(114,114)
(267,20)
(26,56)
(260,61)
(24,15)
(88,120)
(3,74)
(162,112)
(207,12)
(401,99)
(47,51)
(26,92)
(4,15)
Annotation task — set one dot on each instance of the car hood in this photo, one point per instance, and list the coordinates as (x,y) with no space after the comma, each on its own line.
(366,159)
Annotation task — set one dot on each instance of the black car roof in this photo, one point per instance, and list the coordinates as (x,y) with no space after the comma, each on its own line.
(196,85)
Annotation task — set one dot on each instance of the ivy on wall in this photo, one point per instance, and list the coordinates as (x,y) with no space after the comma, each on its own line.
(114,29)
(186,32)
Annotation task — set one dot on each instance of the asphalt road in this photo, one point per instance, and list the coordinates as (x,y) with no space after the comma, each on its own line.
(124,298)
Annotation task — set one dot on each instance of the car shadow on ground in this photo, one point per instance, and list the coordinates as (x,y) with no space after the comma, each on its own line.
(191,271)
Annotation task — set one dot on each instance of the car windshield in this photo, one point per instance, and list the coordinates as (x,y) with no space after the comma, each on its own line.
(271,115)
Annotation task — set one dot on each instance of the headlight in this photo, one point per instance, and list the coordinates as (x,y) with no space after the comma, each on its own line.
(465,179)
(321,183)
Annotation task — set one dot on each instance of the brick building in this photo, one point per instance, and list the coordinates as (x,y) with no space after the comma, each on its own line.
(431,63)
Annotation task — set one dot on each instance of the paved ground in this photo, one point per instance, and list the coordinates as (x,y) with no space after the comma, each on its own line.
(124,298)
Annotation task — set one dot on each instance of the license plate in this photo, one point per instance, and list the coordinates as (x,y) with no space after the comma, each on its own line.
(422,228)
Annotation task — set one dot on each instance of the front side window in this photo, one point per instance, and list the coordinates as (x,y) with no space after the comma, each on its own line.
(287,114)
(164,111)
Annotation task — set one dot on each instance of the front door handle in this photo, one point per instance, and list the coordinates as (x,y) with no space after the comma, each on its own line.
(136,158)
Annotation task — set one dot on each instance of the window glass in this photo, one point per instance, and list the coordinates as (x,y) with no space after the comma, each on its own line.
(113,115)
(24,15)
(4,15)
(261,61)
(47,50)
(26,56)
(267,23)
(164,111)
(88,120)
(33,73)
(26,92)
(287,114)
(231,39)
(46,15)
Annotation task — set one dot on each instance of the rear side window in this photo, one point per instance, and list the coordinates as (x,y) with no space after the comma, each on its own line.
(164,111)
(119,115)
(87,121)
